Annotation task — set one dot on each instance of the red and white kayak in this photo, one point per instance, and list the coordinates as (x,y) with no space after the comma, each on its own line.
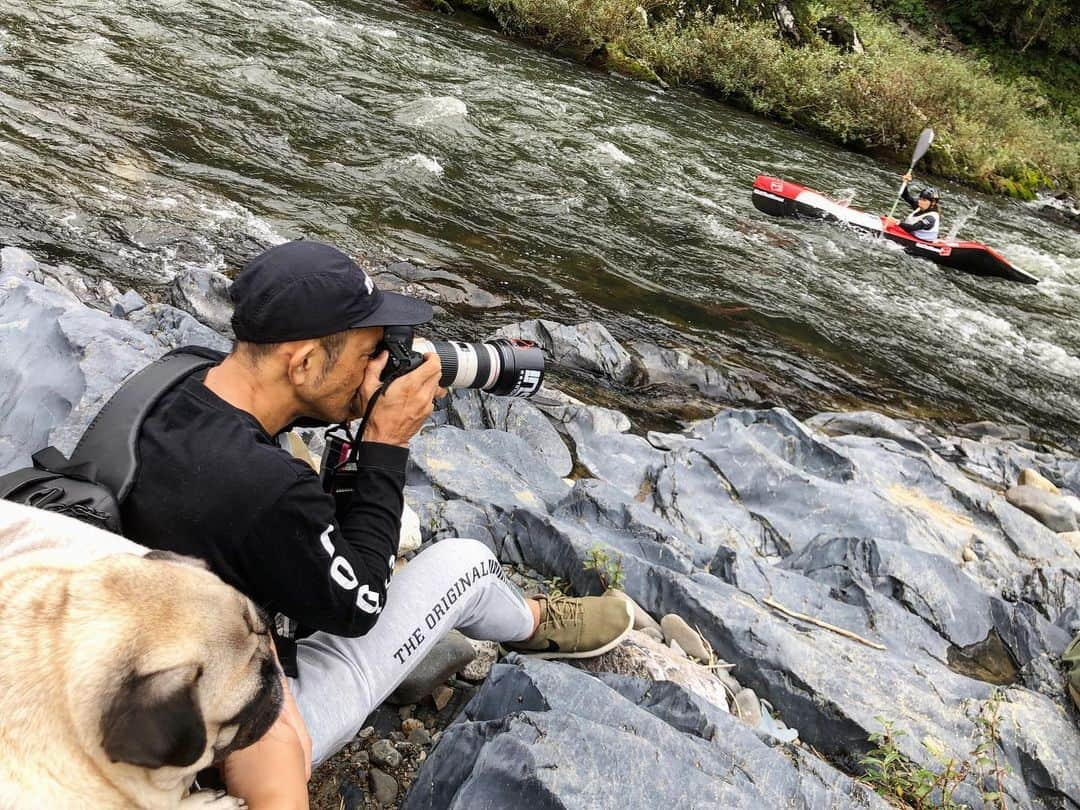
(782,198)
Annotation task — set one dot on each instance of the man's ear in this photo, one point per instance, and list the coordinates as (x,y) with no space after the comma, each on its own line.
(304,363)
(154,720)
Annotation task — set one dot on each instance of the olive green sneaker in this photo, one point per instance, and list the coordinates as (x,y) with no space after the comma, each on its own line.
(1071,659)
(577,628)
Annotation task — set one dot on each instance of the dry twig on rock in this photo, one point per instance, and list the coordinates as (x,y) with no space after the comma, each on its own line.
(818,622)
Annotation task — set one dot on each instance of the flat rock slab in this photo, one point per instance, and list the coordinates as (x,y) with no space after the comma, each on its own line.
(531,735)
(61,362)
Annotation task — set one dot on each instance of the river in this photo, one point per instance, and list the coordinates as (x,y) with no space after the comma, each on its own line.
(138,138)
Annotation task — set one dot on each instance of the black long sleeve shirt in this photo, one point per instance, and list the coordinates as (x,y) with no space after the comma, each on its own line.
(213,484)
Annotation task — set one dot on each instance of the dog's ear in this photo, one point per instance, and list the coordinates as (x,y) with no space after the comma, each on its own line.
(171,556)
(154,720)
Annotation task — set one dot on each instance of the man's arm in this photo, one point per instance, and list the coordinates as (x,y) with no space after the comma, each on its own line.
(330,575)
(324,574)
(272,774)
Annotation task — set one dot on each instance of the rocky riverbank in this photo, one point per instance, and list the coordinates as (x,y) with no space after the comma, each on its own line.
(823,581)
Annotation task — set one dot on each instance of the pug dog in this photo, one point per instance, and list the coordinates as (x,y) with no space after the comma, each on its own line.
(121,676)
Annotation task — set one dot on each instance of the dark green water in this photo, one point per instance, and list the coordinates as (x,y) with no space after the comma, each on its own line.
(140,138)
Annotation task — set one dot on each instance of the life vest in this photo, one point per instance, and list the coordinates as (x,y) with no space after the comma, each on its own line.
(926,234)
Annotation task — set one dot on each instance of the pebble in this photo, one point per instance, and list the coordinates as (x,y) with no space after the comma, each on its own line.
(405,712)
(1032,478)
(420,736)
(384,787)
(365,732)
(441,696)
(487,652)
(642,620)
(410,536)
(969,554)
(384,753)
(676,629)
(748,707)
(411,724)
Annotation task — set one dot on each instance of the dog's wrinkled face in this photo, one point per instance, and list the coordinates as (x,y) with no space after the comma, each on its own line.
(180,663)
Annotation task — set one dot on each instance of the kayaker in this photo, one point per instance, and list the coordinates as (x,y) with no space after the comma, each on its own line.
(925,220)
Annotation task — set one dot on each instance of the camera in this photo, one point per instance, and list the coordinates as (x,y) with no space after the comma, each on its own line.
(510,368)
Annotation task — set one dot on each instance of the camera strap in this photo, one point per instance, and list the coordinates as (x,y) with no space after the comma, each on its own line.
(354,441)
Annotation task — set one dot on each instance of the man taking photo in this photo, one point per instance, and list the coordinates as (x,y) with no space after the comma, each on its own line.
(213,483)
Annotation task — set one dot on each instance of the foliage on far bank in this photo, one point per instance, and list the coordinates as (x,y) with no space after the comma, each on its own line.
(991,132)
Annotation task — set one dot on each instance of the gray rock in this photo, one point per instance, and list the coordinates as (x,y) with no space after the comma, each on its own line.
(433,284)
(672,365)
(420,736)
(205,295)
(99,293)
(450,655)
(383,787)
(472,409)
(60,363)
(16,260)
(747,707)
(488,467)
(384,753)
(174,328)
(587,346)
(129,302)
(866,423)
(676,630)
(642,620)
(1053,511)
(529,739)
(992,430)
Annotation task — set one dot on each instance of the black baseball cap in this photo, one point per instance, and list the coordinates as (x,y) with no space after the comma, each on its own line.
(305,289)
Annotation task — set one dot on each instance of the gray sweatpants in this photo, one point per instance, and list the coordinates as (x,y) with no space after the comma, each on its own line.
(455,583)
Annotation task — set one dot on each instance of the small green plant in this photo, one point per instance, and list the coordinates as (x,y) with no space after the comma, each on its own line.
(905,783)
(991,770)
(607,567)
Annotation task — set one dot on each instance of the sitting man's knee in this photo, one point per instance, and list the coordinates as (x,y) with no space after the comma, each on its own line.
(463,548)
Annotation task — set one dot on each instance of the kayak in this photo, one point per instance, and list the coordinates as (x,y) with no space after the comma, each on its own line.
(782,198)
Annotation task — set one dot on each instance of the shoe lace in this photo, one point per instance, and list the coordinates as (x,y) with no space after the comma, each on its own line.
(562,610)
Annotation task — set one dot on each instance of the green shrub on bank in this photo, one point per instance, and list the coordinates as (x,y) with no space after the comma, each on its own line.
(876,101)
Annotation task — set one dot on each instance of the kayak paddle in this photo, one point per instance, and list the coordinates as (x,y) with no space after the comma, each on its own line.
(925,139)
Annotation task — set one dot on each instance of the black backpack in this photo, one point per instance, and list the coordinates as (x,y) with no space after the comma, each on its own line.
(97,478)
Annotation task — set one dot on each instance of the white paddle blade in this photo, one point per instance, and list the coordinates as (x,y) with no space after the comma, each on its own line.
(925,139)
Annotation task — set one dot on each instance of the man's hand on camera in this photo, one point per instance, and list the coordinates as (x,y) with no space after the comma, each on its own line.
(405,404)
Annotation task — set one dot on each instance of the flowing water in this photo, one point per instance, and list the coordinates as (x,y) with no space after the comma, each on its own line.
(137,138)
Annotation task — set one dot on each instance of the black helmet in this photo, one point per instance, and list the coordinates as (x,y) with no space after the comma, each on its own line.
(929,193)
